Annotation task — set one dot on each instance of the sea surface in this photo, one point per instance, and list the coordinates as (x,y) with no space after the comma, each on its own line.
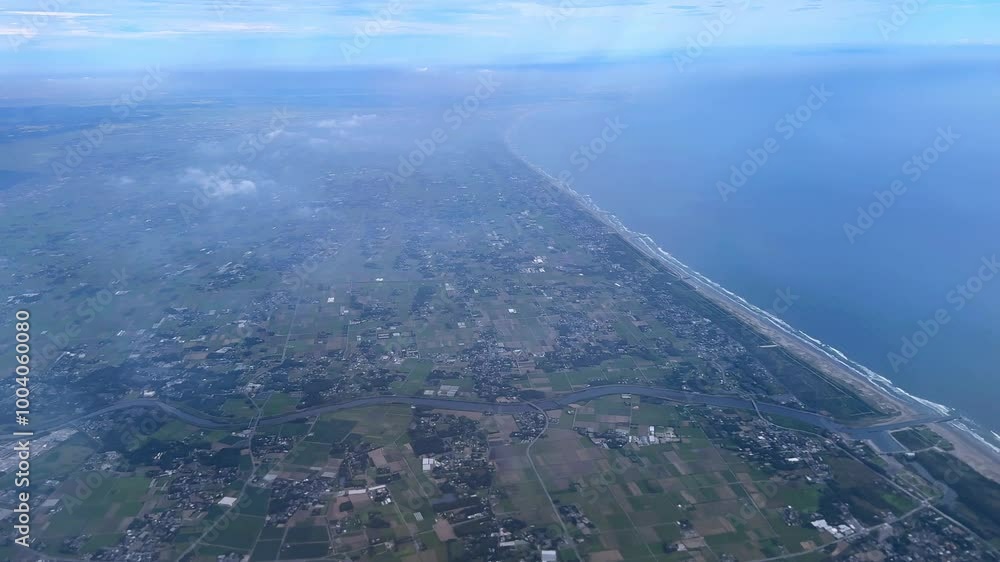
(779,238)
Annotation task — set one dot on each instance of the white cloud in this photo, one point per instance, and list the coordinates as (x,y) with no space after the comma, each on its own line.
(223,183)
(25,32)
(350,123)
(65,15)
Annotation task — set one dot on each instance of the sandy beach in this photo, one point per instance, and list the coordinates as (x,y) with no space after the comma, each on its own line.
(879,392)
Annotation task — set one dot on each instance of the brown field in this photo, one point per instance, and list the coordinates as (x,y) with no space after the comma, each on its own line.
(713,526)
(443,530)
(680,465)
(378,458)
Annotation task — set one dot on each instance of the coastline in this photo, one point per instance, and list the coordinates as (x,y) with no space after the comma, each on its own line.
(970,446)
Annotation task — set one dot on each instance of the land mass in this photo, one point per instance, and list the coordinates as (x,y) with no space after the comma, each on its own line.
(888,399)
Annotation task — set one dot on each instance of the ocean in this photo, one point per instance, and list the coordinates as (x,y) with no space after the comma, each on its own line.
(855,197)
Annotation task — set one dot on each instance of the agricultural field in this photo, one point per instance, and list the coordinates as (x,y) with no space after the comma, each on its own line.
(622,477)
(699,497)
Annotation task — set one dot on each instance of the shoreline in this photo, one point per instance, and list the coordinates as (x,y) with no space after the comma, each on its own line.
(970,446)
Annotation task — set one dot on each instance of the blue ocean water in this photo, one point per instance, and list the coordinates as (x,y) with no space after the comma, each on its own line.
(918,254)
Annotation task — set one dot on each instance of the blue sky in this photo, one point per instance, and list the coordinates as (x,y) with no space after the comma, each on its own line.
(46,35)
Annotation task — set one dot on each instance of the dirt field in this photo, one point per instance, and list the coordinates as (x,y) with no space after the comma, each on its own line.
(444,531)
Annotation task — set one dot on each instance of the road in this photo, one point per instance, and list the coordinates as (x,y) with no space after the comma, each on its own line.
(541,481)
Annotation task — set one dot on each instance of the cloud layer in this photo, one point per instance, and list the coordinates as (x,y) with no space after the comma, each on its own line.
(332,33)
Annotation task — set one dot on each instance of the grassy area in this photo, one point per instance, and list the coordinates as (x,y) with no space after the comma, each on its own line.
(95,503)
(174,430)
(792,423)
(331,430)
(239,408)
(978,504)
(236,532)
(279,403)
(920,438)
(63,459)
(867,494)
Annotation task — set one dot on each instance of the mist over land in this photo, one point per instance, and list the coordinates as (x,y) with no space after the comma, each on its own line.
(309,313)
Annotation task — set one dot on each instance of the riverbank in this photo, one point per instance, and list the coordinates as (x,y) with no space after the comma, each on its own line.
(555,402)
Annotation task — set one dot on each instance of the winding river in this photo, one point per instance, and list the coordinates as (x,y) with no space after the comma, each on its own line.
(879,434)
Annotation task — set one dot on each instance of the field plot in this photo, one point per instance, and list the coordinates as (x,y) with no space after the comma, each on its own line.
(98,505)
(688,497)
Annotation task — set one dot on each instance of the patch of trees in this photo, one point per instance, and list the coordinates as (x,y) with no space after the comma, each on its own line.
(376,521)
(422,298)
(170,453)
(428,445)
(224,458)
(454,503)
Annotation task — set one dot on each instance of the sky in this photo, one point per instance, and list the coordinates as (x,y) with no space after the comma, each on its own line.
(72,35)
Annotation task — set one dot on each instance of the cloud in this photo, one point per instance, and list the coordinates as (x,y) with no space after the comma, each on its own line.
(25,32)
(64,15)
(220,184)
(350,123)
(425,32)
